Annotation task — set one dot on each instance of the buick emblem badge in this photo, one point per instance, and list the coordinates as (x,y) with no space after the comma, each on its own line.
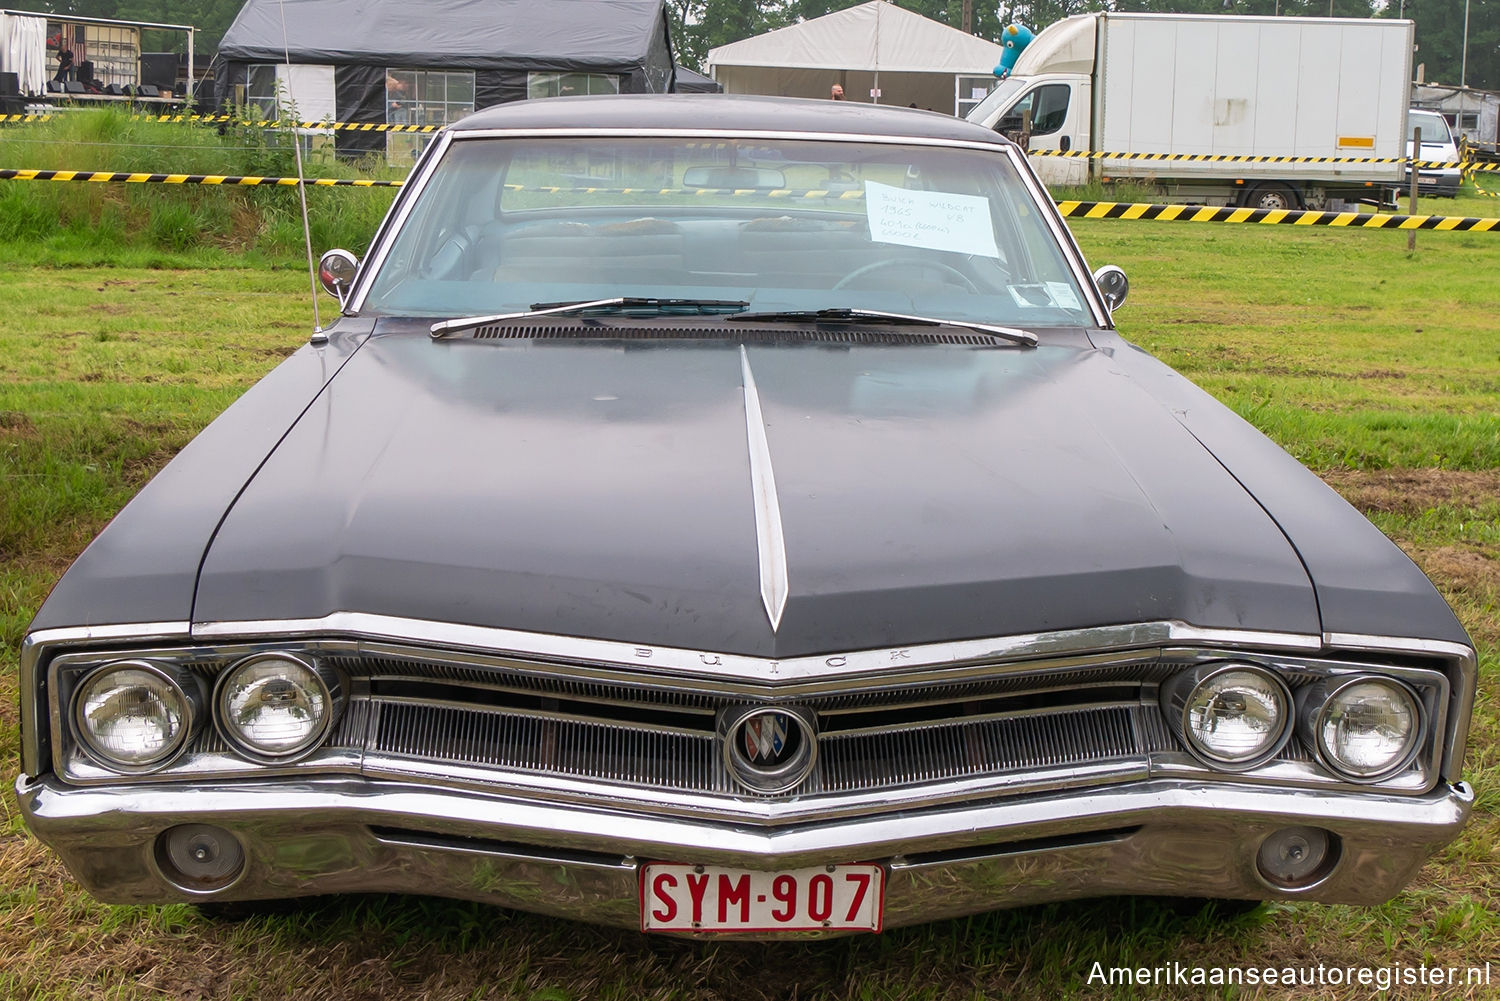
(769,749)
(765,738)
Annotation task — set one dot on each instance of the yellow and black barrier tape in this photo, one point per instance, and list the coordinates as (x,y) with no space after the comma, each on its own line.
(1067,154)
(1471,167)
(248,123)
(1283,217)
(227,180)
(1086,154)
(1070,209)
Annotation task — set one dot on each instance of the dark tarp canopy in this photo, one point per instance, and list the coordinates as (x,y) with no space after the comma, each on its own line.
(689,82)
(501,41)
(591,36)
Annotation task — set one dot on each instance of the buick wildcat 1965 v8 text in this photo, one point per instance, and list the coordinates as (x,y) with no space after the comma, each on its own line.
(737,515)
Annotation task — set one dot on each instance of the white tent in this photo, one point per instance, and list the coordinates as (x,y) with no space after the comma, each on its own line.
(875,46)
(23,49)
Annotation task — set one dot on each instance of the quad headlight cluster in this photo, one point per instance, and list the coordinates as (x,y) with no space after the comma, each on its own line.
(138,715)
(1234,717)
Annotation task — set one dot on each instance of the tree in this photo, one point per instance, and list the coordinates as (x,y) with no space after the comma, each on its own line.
(1440,33)
(701,25)
(211,17)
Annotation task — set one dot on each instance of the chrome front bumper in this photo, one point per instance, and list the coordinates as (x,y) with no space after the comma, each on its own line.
(352,835)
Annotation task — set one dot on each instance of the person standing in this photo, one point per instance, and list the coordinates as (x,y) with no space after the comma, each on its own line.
(836,92)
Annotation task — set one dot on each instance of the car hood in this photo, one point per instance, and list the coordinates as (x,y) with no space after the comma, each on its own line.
(603,489)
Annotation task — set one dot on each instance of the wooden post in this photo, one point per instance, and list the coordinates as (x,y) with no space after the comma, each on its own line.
(1416,154)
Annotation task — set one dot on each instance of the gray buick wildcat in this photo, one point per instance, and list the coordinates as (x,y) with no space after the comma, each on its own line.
(737,515)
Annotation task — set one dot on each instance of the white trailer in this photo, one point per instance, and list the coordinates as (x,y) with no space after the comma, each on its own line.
(1215,85)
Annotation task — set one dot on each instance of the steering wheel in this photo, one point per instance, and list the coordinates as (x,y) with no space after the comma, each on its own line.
(903,262)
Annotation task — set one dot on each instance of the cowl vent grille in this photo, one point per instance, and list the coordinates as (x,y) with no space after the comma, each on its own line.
(737,334)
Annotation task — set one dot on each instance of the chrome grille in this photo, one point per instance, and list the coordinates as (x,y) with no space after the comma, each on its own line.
(501,722)
(988,747)
(543,746)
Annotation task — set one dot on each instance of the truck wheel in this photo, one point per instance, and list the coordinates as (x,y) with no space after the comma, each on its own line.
(1271,195)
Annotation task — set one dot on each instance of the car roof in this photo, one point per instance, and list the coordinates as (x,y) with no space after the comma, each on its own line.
(725,112)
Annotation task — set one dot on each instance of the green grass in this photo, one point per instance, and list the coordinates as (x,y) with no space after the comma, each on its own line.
(1338,344)
(1377,366)
(174,226)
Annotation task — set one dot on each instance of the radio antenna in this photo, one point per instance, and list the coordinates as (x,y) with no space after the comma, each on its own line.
(318,336)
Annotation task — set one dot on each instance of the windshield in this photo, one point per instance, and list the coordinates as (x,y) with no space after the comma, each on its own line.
(776,224)
(998,98)
(1434,128)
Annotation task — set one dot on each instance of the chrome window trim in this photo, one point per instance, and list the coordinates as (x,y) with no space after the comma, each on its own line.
(1103,316)
(601,132)
(1042,200)
(396,218)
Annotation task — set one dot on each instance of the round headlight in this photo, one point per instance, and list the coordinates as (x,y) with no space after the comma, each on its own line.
(132,715)
(275,706)
(1232,716)
(1366,727)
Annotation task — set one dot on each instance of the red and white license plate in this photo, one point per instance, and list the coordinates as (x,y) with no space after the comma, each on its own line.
(713,898)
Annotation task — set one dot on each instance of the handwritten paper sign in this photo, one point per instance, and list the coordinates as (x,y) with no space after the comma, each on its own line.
(932,220)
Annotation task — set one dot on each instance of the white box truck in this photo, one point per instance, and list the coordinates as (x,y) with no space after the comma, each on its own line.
(1215,85)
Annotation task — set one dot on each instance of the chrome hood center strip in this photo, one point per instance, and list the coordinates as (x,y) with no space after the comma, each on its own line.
(768,536)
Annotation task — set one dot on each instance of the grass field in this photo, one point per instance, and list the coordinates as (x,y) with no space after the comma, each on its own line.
(1378,368)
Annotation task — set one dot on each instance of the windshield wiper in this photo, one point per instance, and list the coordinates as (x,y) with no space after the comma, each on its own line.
(619,304)
(844,314)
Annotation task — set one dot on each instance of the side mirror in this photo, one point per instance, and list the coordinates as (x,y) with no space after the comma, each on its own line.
(1112,285)
(336,274)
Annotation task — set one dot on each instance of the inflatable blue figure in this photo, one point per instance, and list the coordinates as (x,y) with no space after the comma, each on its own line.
(1015,38)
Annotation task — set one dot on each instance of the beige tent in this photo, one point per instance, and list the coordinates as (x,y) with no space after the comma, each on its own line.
(875,46)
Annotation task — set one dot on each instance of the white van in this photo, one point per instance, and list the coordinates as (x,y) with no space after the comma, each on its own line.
(1437,144)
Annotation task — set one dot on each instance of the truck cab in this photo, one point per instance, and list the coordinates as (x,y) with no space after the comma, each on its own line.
(1053,80)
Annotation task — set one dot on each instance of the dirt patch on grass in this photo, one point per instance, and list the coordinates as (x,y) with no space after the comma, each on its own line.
(1469,578)
(1412,491)
(16,425)
(1465,569)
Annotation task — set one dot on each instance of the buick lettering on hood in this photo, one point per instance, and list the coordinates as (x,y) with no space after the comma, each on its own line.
(737,515)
